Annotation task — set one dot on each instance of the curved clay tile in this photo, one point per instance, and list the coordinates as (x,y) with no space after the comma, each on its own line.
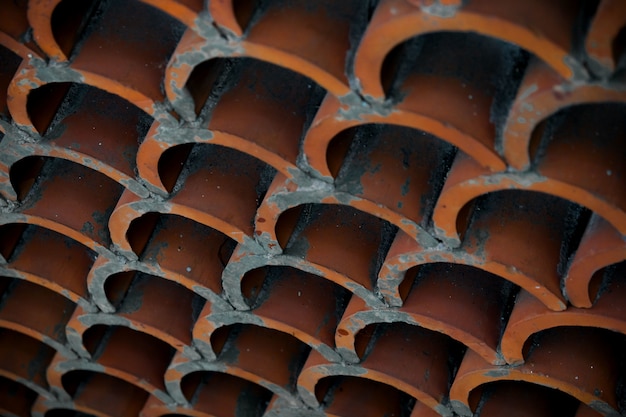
(348,260)
(277,110)
(533,25)
(133,72)
(196,77)
(500,397)
(421,368)
(186,11)
(49,259)
(265,357)
(49,189)
(14,28)
(319,36)
(541,94)
(529,317)
(578,361)
(16,400)
(10,63)
(232,14)
(604,42)
(510,234)
(135,310)
(438,292)
(376,399)
(17,353)
(601,246)
(86,397)
(572,167)
(181,250)
(95,134)
(284,194)
(274,293)
(109,279)
(213,393)
(57,42)
(414,208)
(415,111)
(162,154)
(219,188)
(39,75)
(35,311)
(131,356)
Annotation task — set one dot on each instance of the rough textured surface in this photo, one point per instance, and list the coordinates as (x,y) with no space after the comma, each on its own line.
(408,208)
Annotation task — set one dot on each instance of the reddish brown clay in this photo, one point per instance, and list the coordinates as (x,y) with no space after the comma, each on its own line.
(51,260)
(512,234)
(396,20)
(390,205)
(274,293)
(529,317)
(24,360)
(602,43)
(61,185)
(35,311)
(214,394)
(219,192)
(148,306)
(122,353)
(16,400)
(418,111)
(89,393)
(439,291)
(601,246)
(318,41)
(598,192)
(10,63)
(265,357)
(95,135)
(421,370)
(375,399)
(541,94)
(523,399)
(14,28)
(581,362)
(295,208)
(179,249)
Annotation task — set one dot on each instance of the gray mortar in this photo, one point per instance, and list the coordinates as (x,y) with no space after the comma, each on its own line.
(181,135)
(98,277)
(205,349)
(461,409)
(441,10)
(174,391)
(54,72)
(604,408)
(358,26)
(357,107)
(61,348)
(215,46)
(226,319)
(310,399)
(218,303)
(33,386)
(78,364)
(75,343)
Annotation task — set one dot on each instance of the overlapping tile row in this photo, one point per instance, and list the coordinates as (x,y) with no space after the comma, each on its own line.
(331,208)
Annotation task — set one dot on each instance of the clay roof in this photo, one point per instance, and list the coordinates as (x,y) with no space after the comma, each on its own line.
(408,208)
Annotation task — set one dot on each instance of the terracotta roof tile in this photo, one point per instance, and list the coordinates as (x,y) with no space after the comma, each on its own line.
(409,208)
